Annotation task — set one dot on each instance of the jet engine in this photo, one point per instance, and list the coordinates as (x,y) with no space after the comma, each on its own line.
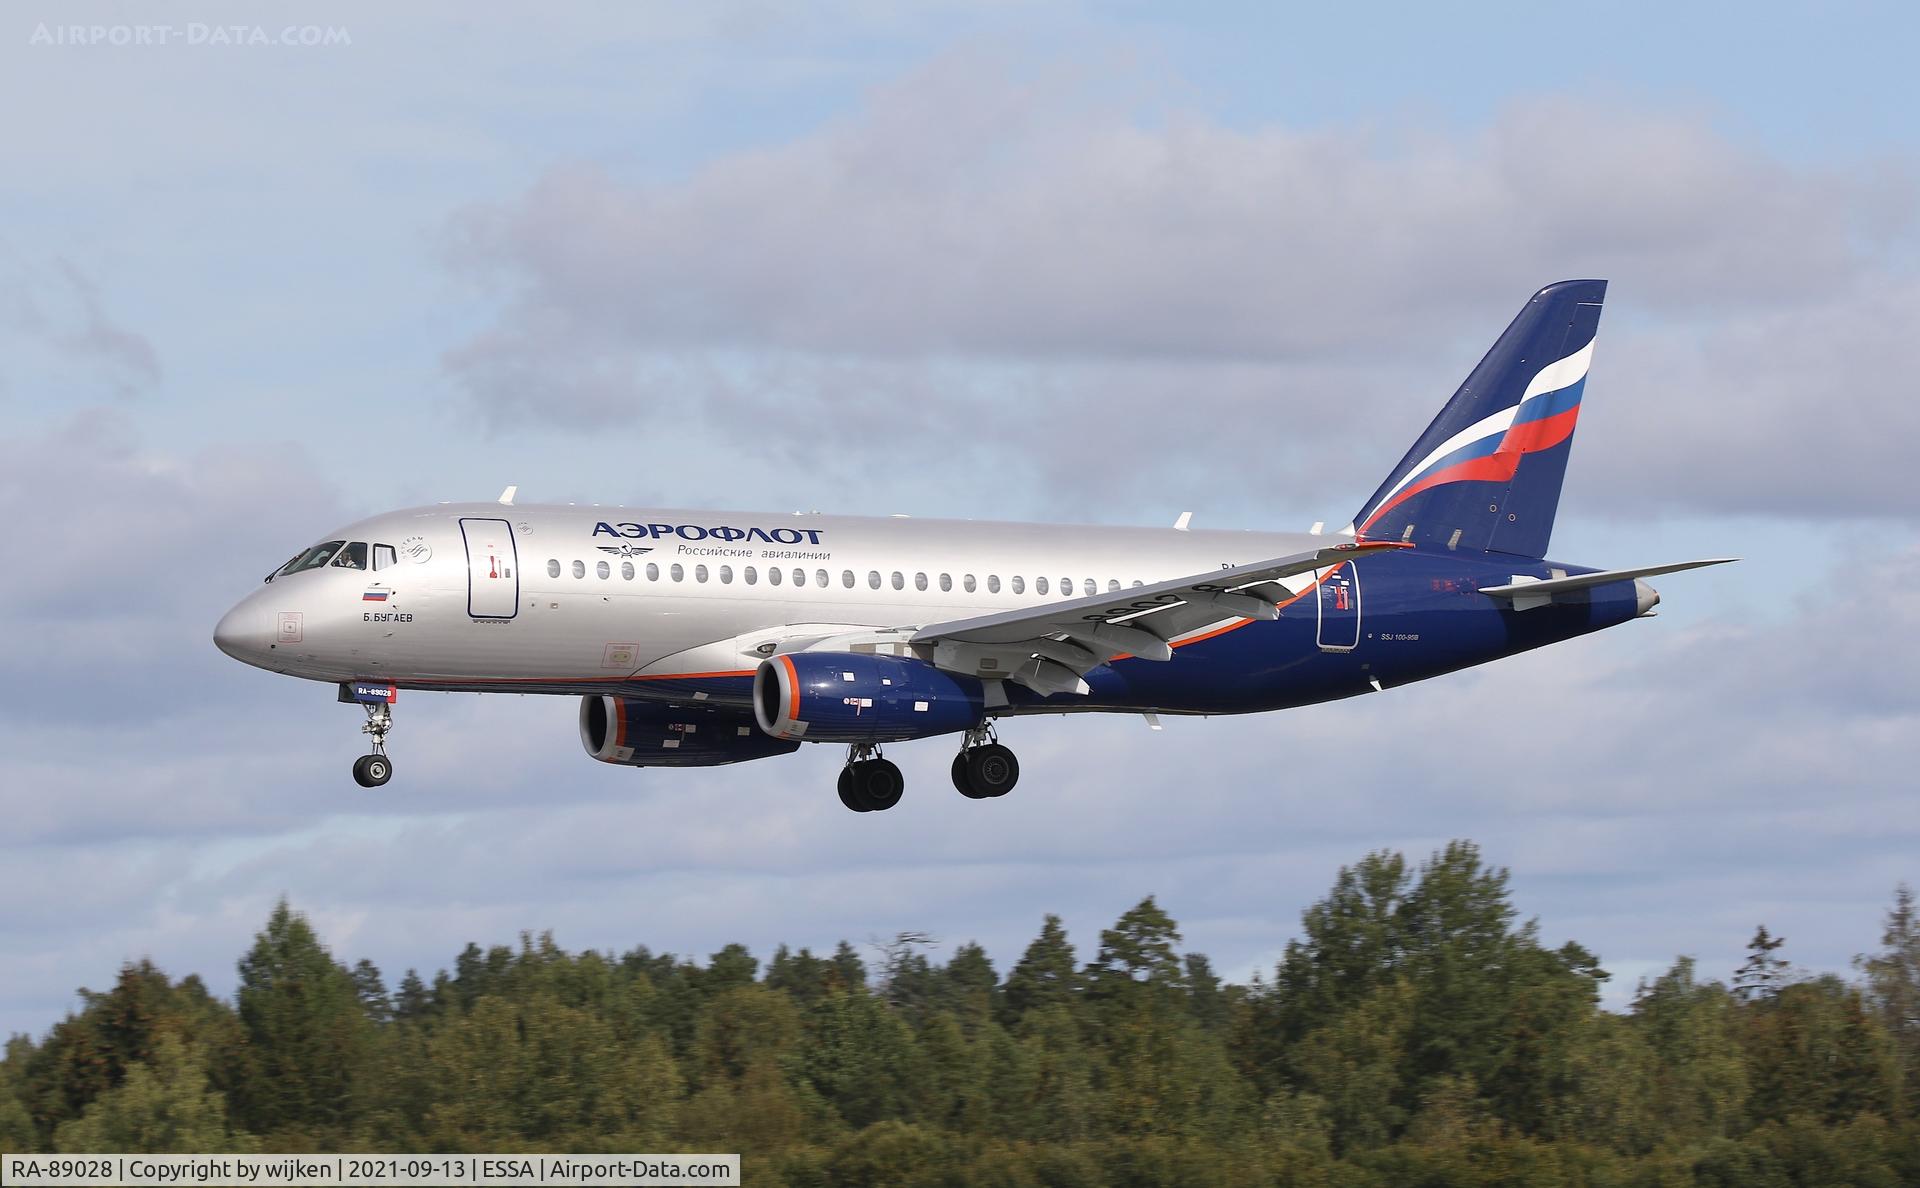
(647,734)
(860,698)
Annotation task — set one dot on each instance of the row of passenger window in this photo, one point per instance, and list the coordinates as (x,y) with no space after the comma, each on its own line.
(821,578)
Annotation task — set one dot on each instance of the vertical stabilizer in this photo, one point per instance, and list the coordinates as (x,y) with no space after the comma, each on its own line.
(1486,474)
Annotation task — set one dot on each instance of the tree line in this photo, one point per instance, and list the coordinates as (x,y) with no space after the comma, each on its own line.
(1417,1032)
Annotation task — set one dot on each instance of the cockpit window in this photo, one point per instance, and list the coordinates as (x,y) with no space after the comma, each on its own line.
(383,556)
(314,557)
(351,556)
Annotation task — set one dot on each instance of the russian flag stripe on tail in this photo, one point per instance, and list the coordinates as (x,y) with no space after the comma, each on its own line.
(1486,474)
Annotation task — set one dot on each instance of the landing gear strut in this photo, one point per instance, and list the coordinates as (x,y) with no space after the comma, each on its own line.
(868,783)
(373,770)
(983,768)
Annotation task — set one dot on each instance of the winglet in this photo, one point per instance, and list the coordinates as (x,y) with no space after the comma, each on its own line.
(1180,525)
(506,496)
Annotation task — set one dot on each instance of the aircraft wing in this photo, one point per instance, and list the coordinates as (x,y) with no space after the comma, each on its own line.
(1049,648)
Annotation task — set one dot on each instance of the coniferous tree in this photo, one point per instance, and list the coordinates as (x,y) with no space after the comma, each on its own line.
(1044,976)
(305,1027)
(412,1002)
(372,991)
(1760,977)
(1893,990)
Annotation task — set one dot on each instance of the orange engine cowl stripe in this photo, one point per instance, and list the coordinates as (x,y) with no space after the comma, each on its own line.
(790,692)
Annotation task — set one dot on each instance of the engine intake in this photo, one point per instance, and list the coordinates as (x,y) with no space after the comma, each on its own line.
(646,734)
(860,698)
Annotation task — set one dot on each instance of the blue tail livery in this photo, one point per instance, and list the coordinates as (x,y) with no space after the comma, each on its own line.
(1486,474)
(734,637)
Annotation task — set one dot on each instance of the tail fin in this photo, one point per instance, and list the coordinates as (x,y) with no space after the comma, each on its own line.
(1486,474)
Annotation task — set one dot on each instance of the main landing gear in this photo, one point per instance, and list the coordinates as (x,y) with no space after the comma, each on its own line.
(868,783)
(984,768)
(371,771)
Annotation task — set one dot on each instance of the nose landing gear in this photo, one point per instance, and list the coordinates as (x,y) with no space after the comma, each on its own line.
(371,771)
(869,783)
(375,769)
(984,768)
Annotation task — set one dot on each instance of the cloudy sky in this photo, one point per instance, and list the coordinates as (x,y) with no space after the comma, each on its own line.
(1025,261)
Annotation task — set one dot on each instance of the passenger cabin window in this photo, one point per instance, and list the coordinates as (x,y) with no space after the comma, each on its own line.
(846,578)
(653,572)
(726,575)
(553,568)
(679,574)
(699,573)
(750,574)
(920,581)
(773,575)
(799,577)
(824,578)
(1090,587)
(603,570)
(1020,585)
(968,583)
(873,578)
(383,556)
(1039,585)
(579,569)
(993,583)
(626,571)
(899,580)
(946,582)
(1113,586)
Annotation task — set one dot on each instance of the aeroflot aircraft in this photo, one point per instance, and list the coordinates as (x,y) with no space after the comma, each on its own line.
(701,638)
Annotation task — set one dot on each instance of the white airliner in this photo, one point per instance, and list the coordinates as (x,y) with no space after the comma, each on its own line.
(697,638)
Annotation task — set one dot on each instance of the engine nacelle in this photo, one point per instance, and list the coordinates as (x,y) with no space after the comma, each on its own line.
(646,734)
(860,698)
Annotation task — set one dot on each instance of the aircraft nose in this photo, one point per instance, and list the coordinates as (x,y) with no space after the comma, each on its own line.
(242,633)
(1646,596)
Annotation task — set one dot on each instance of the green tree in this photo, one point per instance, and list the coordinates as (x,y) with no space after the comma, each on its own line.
(1762,975)
(162,1105)
(305,1027)
(1700,1079)
(859,1057)
(1355,1064)
(1141,949)
(1893,990)
(16,1122)
(372,991)
(1044,976)
(412,1001)
(1813,1049)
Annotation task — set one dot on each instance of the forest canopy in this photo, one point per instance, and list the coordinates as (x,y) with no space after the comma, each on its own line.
(1416,1031)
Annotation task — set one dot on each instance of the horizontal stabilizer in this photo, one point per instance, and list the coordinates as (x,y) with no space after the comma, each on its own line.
(1531,589)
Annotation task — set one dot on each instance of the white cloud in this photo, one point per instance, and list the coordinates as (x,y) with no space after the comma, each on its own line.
(978,256)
